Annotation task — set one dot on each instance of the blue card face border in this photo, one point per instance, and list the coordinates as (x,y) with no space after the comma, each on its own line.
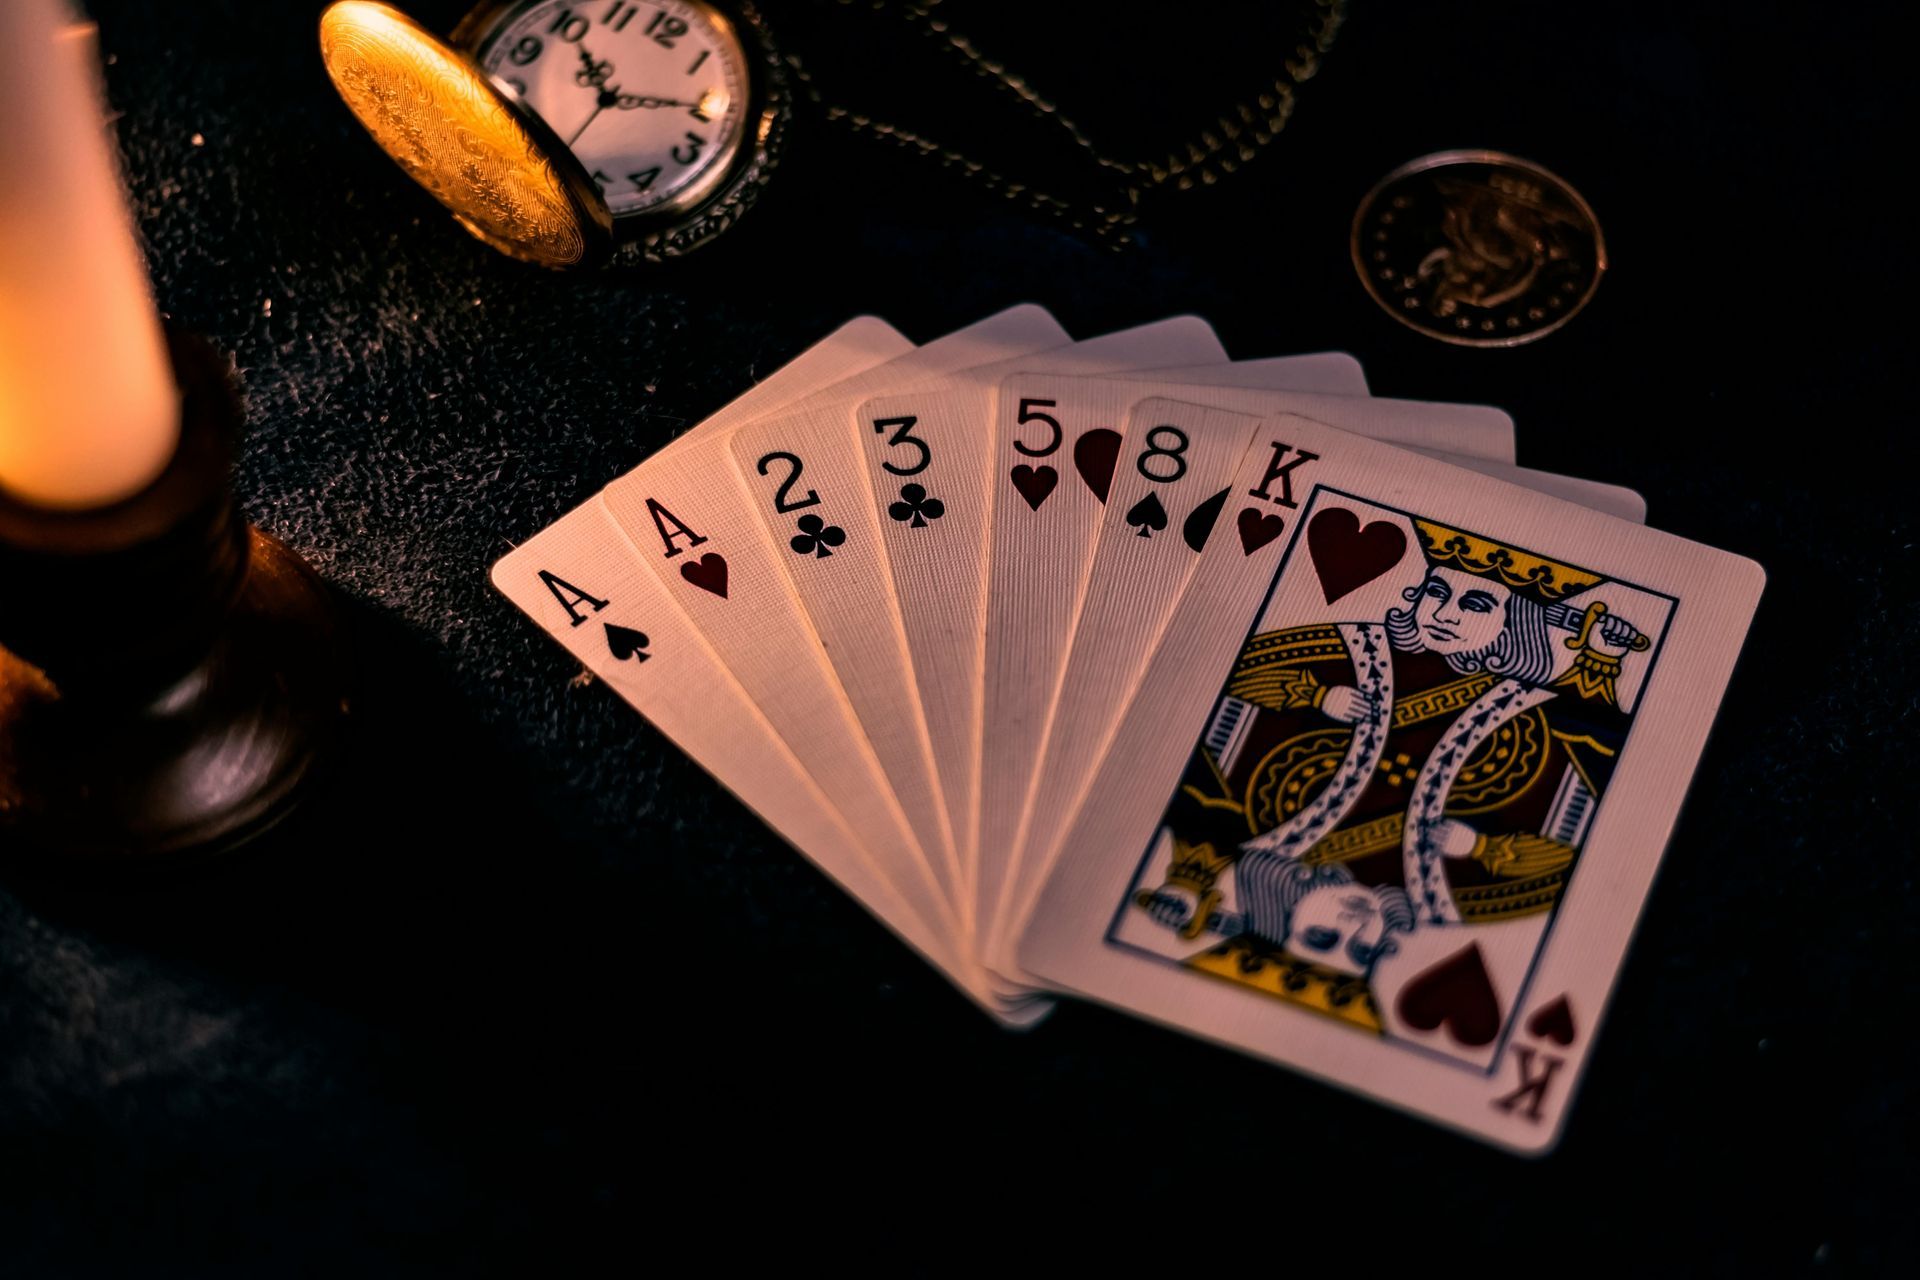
(1523,993)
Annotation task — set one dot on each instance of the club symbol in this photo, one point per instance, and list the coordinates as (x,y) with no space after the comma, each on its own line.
(916,506)
(815,536)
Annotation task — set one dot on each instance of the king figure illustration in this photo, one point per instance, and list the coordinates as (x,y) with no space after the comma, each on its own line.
(1436,768)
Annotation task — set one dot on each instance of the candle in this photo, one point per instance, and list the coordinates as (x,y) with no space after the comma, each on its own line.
(88,409)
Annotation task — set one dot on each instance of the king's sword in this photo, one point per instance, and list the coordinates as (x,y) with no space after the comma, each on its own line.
(1616,631)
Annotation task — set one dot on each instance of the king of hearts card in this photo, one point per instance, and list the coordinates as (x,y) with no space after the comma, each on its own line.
(1389,801)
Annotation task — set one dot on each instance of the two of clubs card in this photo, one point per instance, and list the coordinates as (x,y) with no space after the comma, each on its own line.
(1216,691)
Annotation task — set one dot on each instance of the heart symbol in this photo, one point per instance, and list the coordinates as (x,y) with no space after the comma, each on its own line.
(1094,455)
(1348,557)
(709,573)
(1458,993)
(1553,1022)
(1035,483)
(1257,528)
(625,642)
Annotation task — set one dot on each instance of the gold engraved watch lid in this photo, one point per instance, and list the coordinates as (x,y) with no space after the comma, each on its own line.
(504,175)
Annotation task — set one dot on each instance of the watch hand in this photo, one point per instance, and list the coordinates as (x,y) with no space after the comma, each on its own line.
(593,74)
(599,106)
(628,101)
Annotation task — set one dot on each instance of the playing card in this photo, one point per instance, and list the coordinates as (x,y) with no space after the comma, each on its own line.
(1476,436)
(1324,373)
(924,455)
(862,343)
(804,494)
(579,580)
(1397,779)
(1614,499)
(1461,430)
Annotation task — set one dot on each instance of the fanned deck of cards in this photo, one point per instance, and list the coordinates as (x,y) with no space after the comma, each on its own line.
(1218,692)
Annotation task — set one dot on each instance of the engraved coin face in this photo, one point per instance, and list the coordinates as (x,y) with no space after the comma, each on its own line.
(1478,248)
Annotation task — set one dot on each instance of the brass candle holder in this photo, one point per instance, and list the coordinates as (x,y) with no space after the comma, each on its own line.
(171,680)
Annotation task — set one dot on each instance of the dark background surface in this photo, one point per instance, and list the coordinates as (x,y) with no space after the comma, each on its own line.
(527,983)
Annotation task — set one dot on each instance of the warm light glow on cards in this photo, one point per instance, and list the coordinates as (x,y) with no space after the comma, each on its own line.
(1191,691)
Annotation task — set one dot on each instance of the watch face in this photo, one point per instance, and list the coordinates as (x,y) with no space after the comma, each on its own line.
(650,95)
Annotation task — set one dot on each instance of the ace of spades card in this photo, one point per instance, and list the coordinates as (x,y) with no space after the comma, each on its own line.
(1396,830)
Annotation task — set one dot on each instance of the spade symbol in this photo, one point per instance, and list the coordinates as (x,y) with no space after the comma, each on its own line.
(625,642)
(1094,455)
(1204,517)
(1147,516)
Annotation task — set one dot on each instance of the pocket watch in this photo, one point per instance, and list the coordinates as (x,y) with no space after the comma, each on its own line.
(565,132)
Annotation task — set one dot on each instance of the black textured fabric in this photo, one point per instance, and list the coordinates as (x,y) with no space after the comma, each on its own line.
(526,983)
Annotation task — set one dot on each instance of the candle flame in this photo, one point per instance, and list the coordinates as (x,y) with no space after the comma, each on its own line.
(89,413)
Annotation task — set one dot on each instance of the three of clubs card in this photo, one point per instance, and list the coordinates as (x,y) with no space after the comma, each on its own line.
(1216,691)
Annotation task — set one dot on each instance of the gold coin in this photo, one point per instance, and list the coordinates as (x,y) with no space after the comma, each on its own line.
(1478,248)
(501,173)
